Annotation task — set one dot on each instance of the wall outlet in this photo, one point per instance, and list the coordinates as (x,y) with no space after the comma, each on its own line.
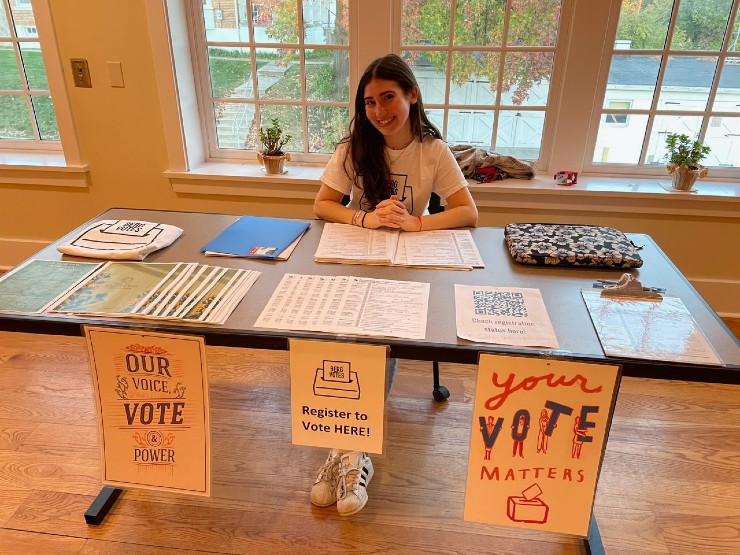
(81,72)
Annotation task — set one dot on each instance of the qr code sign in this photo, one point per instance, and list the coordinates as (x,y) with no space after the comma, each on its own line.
(499,303)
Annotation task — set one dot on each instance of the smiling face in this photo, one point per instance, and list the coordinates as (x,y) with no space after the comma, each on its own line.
(387,107)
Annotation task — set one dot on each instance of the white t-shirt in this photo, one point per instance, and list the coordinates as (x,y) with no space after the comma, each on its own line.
(416,172)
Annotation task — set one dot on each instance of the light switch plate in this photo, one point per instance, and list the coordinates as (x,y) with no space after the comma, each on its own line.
(81,72)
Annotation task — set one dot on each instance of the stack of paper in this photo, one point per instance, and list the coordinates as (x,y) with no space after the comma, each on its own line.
(37,284)
(348,305)
(258,237)
(182,291)
(442,249)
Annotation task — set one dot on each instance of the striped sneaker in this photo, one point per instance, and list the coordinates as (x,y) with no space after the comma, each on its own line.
(324,490)
(355,473)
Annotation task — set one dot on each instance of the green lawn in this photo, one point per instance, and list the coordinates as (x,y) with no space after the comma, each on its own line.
(14,117)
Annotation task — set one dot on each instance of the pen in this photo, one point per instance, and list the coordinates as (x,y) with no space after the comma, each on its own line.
(601,283)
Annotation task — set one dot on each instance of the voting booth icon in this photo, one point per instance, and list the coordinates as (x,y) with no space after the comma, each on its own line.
(336,379)
(528,507)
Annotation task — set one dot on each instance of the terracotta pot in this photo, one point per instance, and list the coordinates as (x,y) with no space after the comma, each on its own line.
(273,164)
(685,177)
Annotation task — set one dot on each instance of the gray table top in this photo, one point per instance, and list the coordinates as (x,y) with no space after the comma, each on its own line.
(560,288)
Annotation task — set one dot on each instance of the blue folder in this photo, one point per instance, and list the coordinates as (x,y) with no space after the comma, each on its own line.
(257,237)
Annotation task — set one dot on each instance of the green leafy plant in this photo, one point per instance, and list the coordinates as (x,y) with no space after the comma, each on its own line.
(683,151)
(273,139)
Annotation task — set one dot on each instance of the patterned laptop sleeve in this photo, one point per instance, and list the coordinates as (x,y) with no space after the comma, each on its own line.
(570,245)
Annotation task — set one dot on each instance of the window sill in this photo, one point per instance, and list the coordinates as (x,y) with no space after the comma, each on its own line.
(41,169)
(591,193)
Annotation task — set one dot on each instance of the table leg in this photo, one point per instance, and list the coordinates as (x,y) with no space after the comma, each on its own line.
(102,504)
(593,543)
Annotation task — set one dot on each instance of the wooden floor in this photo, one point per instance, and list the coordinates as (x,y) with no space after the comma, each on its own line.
(670,483)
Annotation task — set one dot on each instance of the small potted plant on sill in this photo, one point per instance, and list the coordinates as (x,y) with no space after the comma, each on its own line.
(272,156)
(684,155)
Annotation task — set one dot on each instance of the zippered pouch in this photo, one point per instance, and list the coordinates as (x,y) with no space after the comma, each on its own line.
(570,245)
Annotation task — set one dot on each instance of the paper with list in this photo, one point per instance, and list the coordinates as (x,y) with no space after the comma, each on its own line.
(348,305)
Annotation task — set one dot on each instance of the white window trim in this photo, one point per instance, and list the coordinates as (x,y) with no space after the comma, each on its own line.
(190,173)
(57,165)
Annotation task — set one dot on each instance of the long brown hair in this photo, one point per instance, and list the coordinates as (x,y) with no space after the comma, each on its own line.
(366,144)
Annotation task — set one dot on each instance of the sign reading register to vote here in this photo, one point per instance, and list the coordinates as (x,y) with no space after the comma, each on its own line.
(337,394)
(537,441)
(151,392)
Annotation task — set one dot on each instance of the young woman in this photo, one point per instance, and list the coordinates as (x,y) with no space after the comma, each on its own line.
(390,163)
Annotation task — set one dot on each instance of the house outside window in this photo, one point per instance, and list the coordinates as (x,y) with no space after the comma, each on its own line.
(678,64)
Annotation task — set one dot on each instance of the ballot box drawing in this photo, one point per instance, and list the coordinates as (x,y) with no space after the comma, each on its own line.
(528,507)
(336,379)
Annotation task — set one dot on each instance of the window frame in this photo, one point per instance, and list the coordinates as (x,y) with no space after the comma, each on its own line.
(643,169)
(20,159)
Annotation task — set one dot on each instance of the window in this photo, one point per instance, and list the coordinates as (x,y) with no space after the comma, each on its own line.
(678,64)
(272,65)
(27,116)
(485,68)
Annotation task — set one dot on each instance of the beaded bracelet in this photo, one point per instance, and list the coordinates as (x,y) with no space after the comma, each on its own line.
(355,217)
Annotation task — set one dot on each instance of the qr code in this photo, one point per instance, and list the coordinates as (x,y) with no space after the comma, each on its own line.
(497,303)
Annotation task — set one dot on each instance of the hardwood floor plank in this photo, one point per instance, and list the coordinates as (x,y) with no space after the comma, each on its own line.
(13,542)
(670,480)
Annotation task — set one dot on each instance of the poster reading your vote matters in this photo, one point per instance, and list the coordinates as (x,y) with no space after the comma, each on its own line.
(151,392)
(537,440)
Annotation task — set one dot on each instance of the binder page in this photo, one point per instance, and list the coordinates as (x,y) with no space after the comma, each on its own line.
(656,330)
(444,248)
(348,244)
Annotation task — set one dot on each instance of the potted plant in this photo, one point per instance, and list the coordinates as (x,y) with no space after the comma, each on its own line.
(272,156)
(684,155)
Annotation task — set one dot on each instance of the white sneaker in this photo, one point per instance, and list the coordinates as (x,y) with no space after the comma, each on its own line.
(324,489)
(355,473)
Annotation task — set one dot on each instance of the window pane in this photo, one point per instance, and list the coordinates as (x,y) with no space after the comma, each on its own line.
(526,78)
(280,77)
(534,23)
(727,98)
(4,28)
(226,21)
(470,127)
(45,117)
(688,125)
(275,21)
(10,78)
(23,19)
(231,72)
(520,133)
(479,23)
(327,75)
(326,24)
(437,118)
(291,121)
(430,71)
(425,22)
(643,25)
(701,24)
(33,63)
(326,126)
(632,78)
(474,77)
(620,144)
(15,121)
(686,83)
(233,123)
(723,137)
